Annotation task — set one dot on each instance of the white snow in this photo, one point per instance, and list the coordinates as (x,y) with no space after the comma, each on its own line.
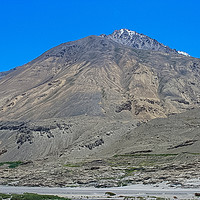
(121,31)
(129,31)
(183,53)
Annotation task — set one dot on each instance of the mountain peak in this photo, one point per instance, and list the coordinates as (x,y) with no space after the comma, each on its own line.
(137,40)
(127,31)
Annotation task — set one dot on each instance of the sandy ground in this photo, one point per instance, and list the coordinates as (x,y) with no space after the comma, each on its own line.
(161,190)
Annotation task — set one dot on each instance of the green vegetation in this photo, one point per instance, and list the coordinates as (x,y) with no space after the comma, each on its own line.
(4,196)
(12,164)
(30,196)
(147,155)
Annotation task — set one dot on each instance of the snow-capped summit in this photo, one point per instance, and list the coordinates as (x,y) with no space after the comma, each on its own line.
(124,30)
(138,41)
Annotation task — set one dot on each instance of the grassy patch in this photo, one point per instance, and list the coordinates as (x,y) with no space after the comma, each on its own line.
(4,196)
(31,196)
(12,164)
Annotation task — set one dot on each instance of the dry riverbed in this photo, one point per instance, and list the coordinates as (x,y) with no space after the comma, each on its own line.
(138,191)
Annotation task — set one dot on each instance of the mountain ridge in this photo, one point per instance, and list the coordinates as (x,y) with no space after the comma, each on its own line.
(115,37)
(139,41)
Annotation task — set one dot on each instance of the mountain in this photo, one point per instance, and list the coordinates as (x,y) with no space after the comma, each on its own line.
(138,41)
(100,97)
(97,76)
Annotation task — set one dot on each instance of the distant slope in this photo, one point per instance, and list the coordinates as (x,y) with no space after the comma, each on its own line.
(78,138)
(2,74)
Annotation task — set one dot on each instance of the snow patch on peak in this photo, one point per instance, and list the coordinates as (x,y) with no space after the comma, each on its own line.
(129,32)
(138,41)
(183,53)
(121,31)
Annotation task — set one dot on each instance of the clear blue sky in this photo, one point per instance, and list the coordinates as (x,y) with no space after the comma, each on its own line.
(30,27)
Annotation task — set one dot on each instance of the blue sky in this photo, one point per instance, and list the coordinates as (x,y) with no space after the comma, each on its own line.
(30,27)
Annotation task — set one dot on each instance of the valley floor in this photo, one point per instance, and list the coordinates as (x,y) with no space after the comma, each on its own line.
(138,191)
(120,170)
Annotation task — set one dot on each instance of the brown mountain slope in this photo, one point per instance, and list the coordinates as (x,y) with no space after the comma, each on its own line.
(85,105)
(95,76)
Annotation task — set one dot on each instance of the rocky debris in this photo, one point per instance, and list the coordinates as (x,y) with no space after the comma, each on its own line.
(24,130)
(12,126)
(124,106)
(138,152)
(24,137)
(94,168)
(2,151)
(110,193)
(139,109)
(183,101)
(64,126)
(95,144)
(103,174)
(186,143)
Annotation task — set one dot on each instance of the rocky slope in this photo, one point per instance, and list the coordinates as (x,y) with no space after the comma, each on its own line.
(160,150)
(138,41)
(96,76)
(2,74)
(100,98)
